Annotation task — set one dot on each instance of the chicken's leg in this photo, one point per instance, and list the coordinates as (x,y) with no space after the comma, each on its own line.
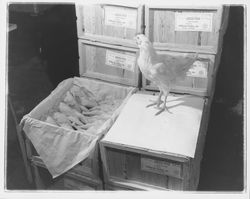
(164,107)
(158,102)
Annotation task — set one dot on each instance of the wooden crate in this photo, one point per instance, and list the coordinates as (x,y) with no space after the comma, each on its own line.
(186,28)
(139,165)
(198,80)
(112,24)
(107,62)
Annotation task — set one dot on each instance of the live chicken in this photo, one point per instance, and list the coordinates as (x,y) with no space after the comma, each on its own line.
(163,70)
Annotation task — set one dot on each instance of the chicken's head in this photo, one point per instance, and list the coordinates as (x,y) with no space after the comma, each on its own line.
(141,40)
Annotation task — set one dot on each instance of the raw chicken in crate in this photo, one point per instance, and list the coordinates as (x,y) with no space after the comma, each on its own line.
(65,127)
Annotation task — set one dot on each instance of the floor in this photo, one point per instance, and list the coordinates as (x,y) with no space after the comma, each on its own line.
(222,165)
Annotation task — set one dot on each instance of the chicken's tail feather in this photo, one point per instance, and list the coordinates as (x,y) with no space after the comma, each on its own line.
(186,64)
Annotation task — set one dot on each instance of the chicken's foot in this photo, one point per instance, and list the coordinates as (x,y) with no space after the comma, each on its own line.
(164,108)
(158,102)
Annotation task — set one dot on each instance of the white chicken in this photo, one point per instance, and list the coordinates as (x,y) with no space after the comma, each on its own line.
(163,70)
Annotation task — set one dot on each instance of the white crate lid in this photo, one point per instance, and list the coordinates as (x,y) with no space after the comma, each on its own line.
(170,133)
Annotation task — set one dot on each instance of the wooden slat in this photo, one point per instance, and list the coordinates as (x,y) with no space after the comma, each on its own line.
(109,40)
(117,168)
(105,169)
(132,185)
(21,141)
(184,48)
(140,20)
(148,23)
(72,184)
(79,182)
(134,5)
(37,178)
(194,168)
(174,157)
(185,7)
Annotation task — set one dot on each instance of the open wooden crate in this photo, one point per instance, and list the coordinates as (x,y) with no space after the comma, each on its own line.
(101,62)
(113,24)
(48,142)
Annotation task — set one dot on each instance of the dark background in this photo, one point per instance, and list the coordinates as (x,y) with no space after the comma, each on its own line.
(43,51)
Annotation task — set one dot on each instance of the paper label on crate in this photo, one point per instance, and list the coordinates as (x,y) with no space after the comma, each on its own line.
(120,17)
(119,60)
(189,21)
(199,69)
(161,167)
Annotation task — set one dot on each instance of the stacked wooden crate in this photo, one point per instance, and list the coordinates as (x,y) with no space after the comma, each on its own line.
(141,165)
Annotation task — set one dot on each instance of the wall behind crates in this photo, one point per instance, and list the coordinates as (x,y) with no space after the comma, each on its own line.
(53,35)
(59,42)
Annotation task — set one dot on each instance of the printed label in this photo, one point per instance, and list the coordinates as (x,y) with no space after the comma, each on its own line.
(119,60)
(161,167)
(199,69)
(120,17)
(186,21)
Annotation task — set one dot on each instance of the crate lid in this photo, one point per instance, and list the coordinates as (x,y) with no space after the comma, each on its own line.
(198,80)
(137,126)
(112,63)
(186,28)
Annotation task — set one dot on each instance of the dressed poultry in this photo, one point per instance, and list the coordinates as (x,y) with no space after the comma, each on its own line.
(163,70)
